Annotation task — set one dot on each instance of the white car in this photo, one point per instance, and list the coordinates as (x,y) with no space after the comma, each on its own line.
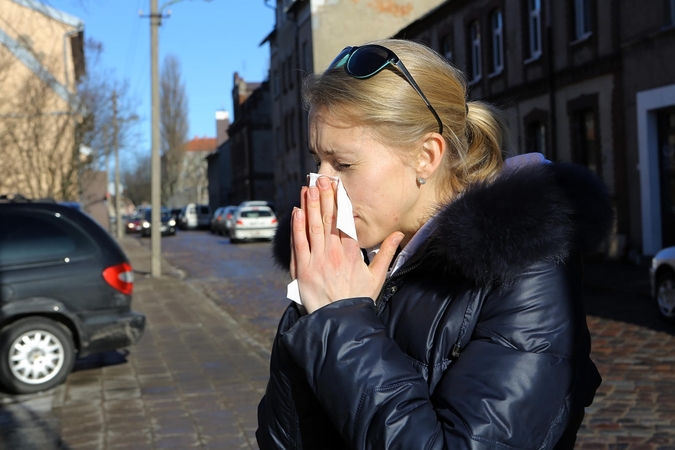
(253,222)
(662,275)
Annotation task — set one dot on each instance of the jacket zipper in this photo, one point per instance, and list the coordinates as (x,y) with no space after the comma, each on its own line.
(379,303)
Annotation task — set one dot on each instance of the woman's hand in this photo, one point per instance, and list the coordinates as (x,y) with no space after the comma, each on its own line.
(326,262)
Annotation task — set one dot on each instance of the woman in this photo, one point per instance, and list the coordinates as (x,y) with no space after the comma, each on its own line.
(466,329)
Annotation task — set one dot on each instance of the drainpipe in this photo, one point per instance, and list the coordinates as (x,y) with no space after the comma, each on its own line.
(550,69)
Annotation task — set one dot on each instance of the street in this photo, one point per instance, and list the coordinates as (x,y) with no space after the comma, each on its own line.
(196,376)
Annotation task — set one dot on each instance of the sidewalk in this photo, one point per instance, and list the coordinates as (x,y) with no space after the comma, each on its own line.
(193,381)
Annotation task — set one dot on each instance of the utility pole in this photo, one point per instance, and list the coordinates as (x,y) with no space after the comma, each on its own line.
(155,232)
(118,191)
(106,151)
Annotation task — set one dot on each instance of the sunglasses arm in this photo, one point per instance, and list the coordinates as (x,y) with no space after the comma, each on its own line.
(412,82)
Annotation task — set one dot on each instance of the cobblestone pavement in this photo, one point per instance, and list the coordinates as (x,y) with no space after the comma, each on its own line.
(634,350)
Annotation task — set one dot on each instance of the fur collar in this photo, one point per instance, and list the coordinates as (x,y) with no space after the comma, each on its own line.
(534,213)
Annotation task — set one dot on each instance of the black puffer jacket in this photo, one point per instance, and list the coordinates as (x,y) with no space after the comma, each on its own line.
(478,342)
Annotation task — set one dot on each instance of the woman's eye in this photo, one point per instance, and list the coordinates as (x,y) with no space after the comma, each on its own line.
(342,166)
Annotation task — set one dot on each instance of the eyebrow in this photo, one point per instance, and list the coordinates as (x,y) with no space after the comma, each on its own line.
(326,152)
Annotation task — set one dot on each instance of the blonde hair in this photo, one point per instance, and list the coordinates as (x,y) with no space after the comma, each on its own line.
(475,131)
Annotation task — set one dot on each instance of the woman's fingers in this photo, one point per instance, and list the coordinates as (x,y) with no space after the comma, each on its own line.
(300,251)
(328,205)
(292,269)
(380,263)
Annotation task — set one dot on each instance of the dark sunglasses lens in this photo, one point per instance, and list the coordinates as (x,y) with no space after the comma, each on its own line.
(341,56)
(367,61)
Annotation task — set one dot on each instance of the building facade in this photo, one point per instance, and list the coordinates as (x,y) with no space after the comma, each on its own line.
(219,163)
(41,60)
(584,81)
(193,182)
(307,36)
(250,142)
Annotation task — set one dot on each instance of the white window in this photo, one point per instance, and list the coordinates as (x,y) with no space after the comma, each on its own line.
(582,19)
(476,69)
(534,11)
(497,21)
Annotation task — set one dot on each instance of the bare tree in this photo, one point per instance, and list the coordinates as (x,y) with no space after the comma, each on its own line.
(137,180)
(173,125)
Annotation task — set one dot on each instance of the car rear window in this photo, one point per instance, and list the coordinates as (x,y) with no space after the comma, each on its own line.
(255,213)
(204,210)
(28,237)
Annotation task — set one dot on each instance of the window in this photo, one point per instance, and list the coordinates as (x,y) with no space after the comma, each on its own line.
(534,28)
(254,214)
(586,146)
(446,47)
(291,72)
(28,237)
(497,29)
(536,138)
(292,130)
(474,39)
(275,83)
(582,19)
(670,12)
(306,63)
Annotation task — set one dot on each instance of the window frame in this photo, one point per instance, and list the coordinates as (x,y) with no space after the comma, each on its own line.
(534,23)
(582,20)
(497,42)
(443,50)
(475,52)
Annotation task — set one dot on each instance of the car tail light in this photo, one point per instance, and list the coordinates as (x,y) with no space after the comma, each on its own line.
(120,277)
(228,216)
(274,220)
(240,222)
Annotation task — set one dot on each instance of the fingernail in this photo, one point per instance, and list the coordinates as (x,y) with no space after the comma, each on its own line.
(323,182)
(397,240)
(313,193)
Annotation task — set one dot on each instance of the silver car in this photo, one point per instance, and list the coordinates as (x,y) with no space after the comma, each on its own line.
(662,275)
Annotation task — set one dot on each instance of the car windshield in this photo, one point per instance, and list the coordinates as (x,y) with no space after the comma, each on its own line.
(166,215)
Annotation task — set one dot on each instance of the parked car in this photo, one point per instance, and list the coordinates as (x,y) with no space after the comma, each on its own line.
(230,211)
(168,223)
(134,223)
(257,203)
(216,219)
(194,216)
(253,222)
(662,276)
(65,292)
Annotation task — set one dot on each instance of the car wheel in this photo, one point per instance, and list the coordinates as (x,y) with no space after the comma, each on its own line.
(36,354)
(665,296)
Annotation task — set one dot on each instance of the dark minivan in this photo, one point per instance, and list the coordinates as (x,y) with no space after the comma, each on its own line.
(65,292)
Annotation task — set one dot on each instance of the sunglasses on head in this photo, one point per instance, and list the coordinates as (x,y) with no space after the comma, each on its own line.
(368,60)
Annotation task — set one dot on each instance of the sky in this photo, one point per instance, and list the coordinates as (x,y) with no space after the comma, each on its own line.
(211,39)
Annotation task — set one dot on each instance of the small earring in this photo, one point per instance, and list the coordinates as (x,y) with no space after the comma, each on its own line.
(421,180)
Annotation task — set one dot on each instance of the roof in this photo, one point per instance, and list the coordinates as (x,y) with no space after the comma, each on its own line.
(203,144)
(51,12)
(33,64)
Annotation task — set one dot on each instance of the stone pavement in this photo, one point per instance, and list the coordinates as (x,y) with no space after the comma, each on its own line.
(193,381)
(634,350)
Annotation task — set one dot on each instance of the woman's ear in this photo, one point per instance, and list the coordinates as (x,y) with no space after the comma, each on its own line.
(431,154)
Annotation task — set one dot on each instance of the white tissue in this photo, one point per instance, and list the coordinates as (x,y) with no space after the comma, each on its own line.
(345,223)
